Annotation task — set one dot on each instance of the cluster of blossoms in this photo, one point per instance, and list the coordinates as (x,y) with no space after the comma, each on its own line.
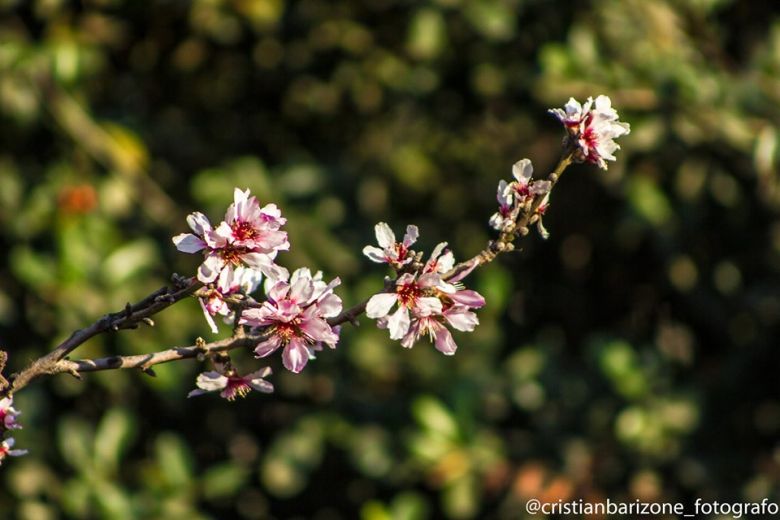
(295,317)
(426,302)
(591,129)
(300,312)
(238,252)
(517,196)
(8,422)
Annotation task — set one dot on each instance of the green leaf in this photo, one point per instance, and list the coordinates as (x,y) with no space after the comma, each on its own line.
(75,443)
(223,480)
(432,415)
(174,460)
(112,438)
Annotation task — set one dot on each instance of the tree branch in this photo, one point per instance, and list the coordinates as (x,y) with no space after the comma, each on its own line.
(132,315)
(129,318)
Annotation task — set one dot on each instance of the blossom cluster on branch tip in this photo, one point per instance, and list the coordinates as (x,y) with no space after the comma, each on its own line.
(8,415)
(591,129)
(517,196)
(426,303)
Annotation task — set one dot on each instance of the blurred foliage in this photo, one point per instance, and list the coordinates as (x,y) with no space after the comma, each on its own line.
(630,356)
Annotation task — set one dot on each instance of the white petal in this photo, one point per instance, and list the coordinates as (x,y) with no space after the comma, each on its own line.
(522,170)
(384,235)
(412,233)
(211,381)
(398,323)
(199,223)
(380,304)
(188,243)
(375,254)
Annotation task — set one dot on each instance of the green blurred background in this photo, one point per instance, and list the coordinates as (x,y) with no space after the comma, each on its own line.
(633,355)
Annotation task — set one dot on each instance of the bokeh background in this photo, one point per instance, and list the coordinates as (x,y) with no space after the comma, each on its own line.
(633,355)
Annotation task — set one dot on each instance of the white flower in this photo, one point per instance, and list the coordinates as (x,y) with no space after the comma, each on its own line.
(233,385)
(397,254)
(592,128)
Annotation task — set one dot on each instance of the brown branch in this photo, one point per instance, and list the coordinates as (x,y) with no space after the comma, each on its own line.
(128,318)
(505,241)
(55,362)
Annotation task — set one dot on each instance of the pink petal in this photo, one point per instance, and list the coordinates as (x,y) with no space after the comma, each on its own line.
(268,346)
(295,355)
(444,343)
(468,298)
(461,319)
(412,233)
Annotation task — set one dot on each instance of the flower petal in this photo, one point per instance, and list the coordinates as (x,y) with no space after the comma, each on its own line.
(188,243)
(444,343)
(380,304)
(295,355)
(211,381)
(384,235)
(398,323)
(268,346)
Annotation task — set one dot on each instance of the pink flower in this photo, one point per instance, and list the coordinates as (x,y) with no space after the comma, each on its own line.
(232,385)
(249,235)
(391,252)
(435,326)
(411,294)
(295,317)
(8,414)
(426,304)
(5,449)
(592,128)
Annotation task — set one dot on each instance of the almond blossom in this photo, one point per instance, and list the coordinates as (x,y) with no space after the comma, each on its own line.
(295,318)
(231,281)
(8,414)
(592,128)
(249,235)
(411,294)
(425,302)
(5,449)
(517,195)
(397,254)
(435,326)
(231,384)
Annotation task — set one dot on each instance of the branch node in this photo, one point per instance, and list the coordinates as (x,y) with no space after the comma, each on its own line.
(114,361)
(128,309)
(115,327)
(149,321)
(148,371)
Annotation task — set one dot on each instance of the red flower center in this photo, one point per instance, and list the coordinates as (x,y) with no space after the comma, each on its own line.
(243,231)
(408,294)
